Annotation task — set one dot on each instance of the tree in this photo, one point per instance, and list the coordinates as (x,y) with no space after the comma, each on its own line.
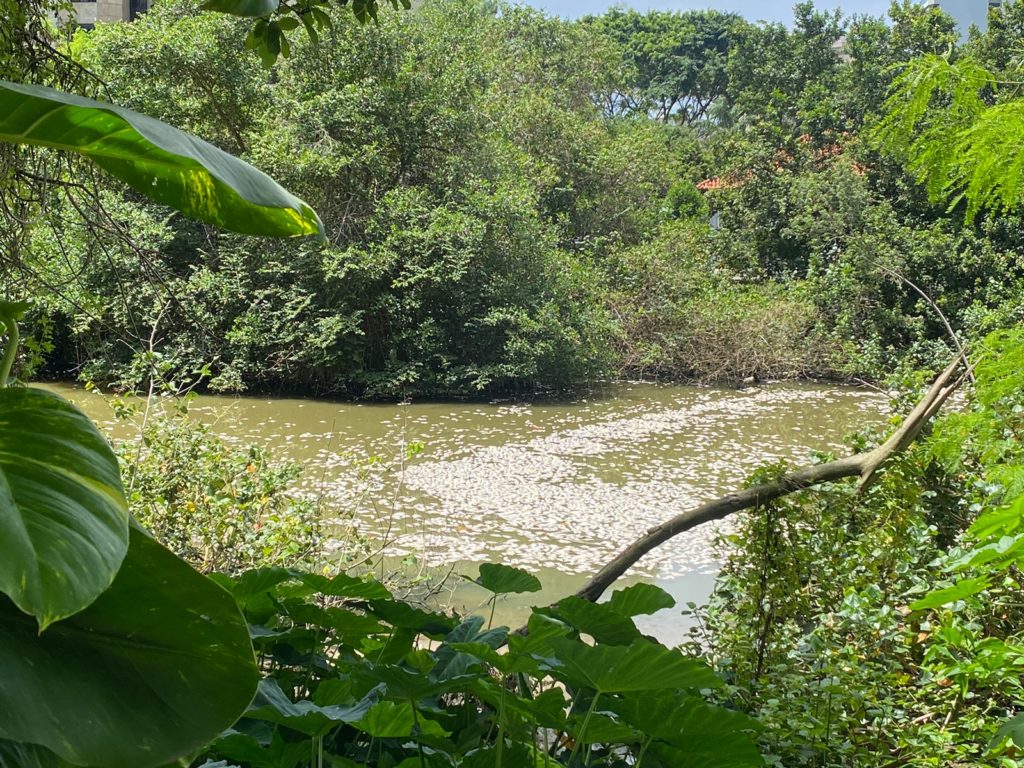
(674,63)
(958,133)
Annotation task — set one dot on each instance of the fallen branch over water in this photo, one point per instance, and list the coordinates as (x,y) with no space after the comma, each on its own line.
(862,465)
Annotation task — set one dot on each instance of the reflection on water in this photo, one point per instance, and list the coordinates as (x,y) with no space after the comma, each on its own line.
(556,488)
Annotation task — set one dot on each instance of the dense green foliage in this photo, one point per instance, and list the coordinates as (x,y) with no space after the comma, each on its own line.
(511,204)
(220,507)
(355,678)
(867,629)
(885,628)
(448,270)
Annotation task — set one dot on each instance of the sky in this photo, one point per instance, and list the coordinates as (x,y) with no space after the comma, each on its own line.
(753,10)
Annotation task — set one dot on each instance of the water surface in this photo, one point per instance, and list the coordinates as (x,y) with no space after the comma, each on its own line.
(556,488)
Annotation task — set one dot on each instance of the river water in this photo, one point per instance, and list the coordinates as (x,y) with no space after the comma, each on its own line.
(555,488)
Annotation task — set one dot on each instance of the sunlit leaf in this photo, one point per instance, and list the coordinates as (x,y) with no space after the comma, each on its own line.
(640,599)
(642,666)
(63,516)
(158,161)
(962,589)
(154,669)
(18,755)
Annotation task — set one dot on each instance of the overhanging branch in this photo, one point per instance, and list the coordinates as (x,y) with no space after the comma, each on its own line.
(863,465)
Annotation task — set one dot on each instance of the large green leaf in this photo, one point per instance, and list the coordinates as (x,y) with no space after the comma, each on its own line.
(506,580)
(156,160)
(63,516)
(155,668)
(707,736)
(389,719)
(1012,729)
(403,616)
(642,666)
(960,591)
(640,599)
(597,620)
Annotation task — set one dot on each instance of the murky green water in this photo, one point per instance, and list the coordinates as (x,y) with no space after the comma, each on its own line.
(557,489)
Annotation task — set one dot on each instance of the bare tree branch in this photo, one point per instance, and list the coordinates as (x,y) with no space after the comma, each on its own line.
(863,465)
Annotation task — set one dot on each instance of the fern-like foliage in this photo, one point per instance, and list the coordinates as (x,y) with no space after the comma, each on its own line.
(989,161)
(944,120)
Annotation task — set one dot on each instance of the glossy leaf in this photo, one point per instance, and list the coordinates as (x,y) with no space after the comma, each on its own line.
(156,160)
(597,620)
(63,516)
(642,666)
(961,590)
(154,669)
(640,599)
(506,580)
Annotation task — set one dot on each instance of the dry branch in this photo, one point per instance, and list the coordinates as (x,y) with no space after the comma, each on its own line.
(862,465)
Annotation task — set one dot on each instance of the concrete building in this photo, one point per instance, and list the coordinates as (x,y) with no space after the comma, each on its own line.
(966,13)
(90,12)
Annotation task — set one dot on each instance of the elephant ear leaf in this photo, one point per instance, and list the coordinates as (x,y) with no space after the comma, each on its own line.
(156,160)
(506,580)
(63,515)
(154,669)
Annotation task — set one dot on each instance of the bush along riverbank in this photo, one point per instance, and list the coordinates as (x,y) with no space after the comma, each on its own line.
(877,624)
(516,203)
(881,627)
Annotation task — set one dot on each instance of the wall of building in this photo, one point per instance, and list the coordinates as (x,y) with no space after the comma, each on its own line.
(88,12)
(85,13)
(966,13)
(111,10)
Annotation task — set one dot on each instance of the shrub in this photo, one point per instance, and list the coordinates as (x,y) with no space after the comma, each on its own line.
(220,507)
